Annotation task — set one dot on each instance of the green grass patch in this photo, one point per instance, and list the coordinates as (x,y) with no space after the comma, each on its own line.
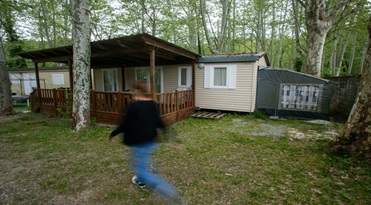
(235,160)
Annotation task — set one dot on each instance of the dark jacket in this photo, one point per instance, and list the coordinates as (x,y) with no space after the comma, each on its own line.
(140,123)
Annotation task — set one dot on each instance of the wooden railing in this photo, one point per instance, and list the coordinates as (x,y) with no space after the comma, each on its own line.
(110,106)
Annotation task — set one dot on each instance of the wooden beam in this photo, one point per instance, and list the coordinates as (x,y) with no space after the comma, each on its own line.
(176,50)
(70,72)
(96,55)
(38,84)
(152,73)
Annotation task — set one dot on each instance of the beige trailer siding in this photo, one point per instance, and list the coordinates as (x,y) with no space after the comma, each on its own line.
(20,85)
(262,62)
(169,75)
(241,99)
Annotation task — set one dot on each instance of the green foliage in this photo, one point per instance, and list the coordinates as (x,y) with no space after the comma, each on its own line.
(258,25)
(298,64)
(259,115)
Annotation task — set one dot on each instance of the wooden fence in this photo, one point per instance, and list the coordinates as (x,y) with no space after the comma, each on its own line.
(109,107)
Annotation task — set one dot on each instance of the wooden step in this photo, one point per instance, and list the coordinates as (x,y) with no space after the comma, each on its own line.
(208,115)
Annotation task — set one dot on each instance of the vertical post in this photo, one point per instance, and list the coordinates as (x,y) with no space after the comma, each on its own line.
(55,96)
(123,79)
(90,79)
(120,104)
(152,73)
(38,84)
(193,86)
(177,105)
(70,72)
(93,109)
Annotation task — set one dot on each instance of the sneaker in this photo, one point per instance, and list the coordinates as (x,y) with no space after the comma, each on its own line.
(135,181)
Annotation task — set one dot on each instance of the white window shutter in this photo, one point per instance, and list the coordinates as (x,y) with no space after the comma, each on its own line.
(207,77)
(232,75)
(189,77)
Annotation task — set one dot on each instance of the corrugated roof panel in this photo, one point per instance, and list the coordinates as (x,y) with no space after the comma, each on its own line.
(242,57)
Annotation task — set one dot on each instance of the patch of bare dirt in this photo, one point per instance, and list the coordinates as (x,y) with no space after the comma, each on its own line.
(5,118)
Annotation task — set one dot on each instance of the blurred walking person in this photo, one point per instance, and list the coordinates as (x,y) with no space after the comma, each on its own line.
(140,126)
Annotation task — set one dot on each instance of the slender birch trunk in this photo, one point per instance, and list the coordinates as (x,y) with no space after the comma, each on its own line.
(81,59)
(353,54)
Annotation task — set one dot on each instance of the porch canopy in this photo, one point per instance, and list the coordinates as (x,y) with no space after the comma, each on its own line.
(128,51)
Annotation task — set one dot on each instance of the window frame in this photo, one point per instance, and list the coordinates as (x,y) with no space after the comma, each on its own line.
(300,97)
(231,76)
(148,76)
(117,85)
(188,76)
(55,81)
(15,79)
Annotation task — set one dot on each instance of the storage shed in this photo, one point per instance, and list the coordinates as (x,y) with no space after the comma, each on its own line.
(228,82)
(286,93)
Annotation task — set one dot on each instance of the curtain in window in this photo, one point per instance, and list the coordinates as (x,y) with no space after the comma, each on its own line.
(183,76)
(220,76)
(110,80)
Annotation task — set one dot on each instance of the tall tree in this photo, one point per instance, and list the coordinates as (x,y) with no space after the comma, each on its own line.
(321,16)
(81,59)
(355,137)
(216,40)
(8,24)
(5,90)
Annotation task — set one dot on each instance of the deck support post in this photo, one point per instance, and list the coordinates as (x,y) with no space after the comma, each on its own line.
(38,84)
(152,73)
(70,72)
(193,86)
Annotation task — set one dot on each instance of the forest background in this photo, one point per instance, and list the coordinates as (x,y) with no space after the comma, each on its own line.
(277,27)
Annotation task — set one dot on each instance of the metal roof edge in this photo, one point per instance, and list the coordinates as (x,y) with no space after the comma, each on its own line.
(296,72)
(228,58)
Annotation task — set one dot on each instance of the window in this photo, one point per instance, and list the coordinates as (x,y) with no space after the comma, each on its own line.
(57,79)
(301,97)
(15,79)
(143,74)
(185,77)
(220,76)
(110,80)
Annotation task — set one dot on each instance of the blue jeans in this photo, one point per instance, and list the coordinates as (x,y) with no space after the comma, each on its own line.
(142,161)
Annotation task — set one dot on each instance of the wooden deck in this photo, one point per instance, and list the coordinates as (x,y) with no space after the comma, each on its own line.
(109,107)
(208,115)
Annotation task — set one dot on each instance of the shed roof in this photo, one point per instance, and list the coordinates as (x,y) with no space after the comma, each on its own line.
(284,70)
(241,57)
(120,52)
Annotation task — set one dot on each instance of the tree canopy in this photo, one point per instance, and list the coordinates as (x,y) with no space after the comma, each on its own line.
(277,27)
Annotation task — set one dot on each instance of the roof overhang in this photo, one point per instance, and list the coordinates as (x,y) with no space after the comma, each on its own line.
(127,51)
(243,57)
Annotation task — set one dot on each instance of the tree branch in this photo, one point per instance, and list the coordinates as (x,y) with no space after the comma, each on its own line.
(301,3)
(354,10)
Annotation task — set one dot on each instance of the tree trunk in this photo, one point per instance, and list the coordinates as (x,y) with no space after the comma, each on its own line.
(317,31)
(5,86)
(298,47)
(203,18)
(81,60)
(320,16)
(355,137)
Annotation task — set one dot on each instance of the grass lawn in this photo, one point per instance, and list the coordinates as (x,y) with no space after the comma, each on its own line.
(236,160)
